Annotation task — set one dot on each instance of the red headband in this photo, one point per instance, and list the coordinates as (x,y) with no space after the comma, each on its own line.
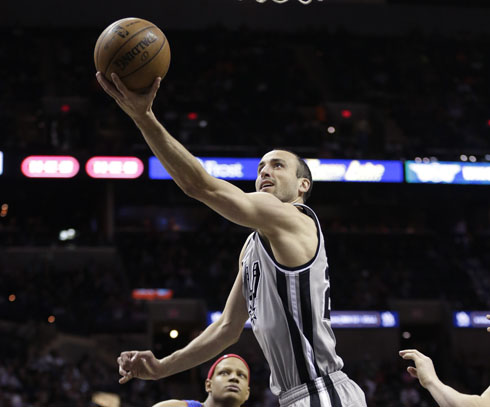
(229,355)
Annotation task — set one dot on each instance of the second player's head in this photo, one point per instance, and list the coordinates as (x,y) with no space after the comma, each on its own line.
(285,175)
(228,381)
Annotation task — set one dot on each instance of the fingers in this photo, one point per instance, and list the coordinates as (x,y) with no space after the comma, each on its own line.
(412,371)
(411,354)
(106,85)
(126,378)
(155,87)
(121,87)
(125,366)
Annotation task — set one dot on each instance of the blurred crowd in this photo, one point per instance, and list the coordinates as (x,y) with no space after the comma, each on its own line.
(391,262)
(325,94)
(322,93)
(34,377)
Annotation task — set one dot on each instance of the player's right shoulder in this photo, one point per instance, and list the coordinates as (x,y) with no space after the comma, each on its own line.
(171,403)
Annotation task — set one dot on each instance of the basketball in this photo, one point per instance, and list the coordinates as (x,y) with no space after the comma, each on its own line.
(135,49)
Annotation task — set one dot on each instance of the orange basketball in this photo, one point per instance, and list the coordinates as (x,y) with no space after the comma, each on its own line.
(135,49)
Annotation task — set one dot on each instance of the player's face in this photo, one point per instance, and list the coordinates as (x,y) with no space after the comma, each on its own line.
(229,382)
(276,174)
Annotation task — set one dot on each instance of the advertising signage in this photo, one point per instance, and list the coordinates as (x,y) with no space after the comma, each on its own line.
(114,167)
(245,169)
(50,166)
(447,172)
(356,170)
(471,319)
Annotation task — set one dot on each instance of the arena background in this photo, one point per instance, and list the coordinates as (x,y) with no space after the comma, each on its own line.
(366,80)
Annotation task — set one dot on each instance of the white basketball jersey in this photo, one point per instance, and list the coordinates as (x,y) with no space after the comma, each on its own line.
(289,309)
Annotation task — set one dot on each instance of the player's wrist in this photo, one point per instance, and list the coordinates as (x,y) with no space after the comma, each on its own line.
(146,121)
(162,368)
(432,383)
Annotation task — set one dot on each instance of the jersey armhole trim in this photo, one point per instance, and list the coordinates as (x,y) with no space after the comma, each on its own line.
(281,267)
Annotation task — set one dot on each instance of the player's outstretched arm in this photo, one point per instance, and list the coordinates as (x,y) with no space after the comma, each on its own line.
(213,340)
(248,210)
(444,395)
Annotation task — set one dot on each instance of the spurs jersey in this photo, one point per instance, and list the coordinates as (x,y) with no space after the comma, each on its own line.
(289,310)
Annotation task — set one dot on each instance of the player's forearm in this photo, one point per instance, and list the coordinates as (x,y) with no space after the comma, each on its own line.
(182,166)
(446,396)
(213,340)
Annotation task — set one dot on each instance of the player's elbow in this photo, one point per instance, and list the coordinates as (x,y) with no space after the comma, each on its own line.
(195,191)
(230,332)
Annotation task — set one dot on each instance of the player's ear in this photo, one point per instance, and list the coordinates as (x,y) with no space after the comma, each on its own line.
(304,185)
(207,385)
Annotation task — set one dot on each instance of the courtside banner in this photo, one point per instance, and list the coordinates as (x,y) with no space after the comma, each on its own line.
(345,319)
(355,170)
(245,169)
(1,163)
(447,172)
(471,319)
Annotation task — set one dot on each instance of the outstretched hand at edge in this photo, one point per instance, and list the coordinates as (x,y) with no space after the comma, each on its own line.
(423,369)
(139,364)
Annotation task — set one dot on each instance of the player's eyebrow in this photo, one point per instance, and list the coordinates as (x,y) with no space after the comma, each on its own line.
(272,161)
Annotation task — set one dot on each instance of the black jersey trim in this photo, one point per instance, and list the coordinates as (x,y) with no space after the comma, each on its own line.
(311,214)
(332,392)
(294,332)
(306,313)
(314,397)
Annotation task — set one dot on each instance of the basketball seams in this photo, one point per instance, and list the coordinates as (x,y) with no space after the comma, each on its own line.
(100,41)
(131,49)
(147,62)
(129,39)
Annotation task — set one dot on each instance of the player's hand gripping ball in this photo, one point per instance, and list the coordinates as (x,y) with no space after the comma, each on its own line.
(135,49)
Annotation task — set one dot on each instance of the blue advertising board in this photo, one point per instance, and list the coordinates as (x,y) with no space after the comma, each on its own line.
(356,170)
(220,167)
(245,169)
(471,319)
(447,172)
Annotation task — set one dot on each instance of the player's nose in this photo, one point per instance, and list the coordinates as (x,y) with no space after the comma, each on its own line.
(233,378)
(264,172)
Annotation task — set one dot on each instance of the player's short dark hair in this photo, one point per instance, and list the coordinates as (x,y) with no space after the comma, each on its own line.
(303,171)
